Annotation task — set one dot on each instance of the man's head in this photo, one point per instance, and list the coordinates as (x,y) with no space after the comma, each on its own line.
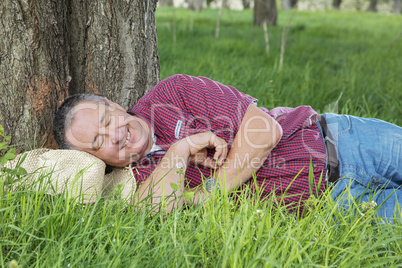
(103,128)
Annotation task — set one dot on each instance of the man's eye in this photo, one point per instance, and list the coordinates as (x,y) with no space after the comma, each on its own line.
(109,121)
(101,142)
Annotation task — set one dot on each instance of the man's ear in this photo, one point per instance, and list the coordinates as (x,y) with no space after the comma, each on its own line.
(113,104)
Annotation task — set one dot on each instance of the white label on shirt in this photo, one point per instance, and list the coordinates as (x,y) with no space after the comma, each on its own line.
(177,130)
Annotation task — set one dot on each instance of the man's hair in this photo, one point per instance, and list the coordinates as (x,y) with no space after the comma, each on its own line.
(64,116)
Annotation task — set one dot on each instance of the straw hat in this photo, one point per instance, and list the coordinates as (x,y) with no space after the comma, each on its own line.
(75,173)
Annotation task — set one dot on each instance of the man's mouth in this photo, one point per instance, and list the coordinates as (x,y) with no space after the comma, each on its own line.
(127,140)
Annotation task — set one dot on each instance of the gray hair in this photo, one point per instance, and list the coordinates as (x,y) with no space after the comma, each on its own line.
(64,116)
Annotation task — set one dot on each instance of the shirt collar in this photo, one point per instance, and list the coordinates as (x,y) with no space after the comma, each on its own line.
(155,147)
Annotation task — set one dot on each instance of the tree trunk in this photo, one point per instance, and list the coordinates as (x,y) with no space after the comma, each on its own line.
(336,4)
(397,6)
(50,49)
(265,10)
(33,68)
(195,5)
(285,4)
(288,4)
(114,49)
(246,4)
(226,4)
(358,5)
(373,6)
(165,2)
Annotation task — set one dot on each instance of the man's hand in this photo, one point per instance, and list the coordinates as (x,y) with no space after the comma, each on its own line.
(198,144)
(173,165)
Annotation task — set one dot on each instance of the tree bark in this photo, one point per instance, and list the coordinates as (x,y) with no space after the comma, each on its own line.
(195,5)
(165,2)
(265,10)
(358,5)
(52,49)
(285,4)
(336,4)
(114,49)
(288,4)
(397,6)
(246,4)
(33,68)
(373,6)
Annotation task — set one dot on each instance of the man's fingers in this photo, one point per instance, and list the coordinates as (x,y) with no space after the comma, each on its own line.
(199,157)
(220,150)
(198,144)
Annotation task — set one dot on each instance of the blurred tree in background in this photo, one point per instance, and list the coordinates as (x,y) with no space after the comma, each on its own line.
(397,6)
(373,6)
(388,6)
(165,2)
(336,4)
(246,4)
(288,4)
(265,10)
(196,5)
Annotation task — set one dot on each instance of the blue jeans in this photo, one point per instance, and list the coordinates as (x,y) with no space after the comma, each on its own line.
(370,163)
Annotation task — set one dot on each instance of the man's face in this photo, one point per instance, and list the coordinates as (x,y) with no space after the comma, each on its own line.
(109,132)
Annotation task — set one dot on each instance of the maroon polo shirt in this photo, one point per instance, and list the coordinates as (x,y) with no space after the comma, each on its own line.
(183,105)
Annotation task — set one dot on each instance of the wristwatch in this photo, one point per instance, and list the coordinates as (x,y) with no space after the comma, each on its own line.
(212,184)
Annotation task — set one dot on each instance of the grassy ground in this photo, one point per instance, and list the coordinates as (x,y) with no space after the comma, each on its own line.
(328,55)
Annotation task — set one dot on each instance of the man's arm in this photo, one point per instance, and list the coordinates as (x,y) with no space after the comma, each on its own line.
(257,136)
(173,165)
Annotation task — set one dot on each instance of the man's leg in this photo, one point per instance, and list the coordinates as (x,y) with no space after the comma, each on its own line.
(370,161)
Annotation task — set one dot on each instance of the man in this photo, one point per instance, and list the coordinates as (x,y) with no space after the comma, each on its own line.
(214,133)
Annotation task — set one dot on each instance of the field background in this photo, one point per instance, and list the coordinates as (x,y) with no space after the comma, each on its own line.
(328,55)
(334,61)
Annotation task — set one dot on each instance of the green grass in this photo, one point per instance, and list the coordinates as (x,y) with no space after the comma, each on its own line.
(328,54)
(47,231)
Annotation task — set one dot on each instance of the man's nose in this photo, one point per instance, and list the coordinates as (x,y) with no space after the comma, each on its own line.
(115,135)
